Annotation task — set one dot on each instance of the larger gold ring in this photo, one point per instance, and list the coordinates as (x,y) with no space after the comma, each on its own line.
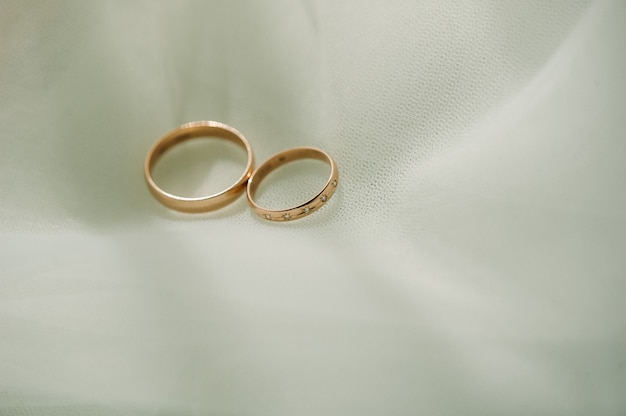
(306,208)
(190,131)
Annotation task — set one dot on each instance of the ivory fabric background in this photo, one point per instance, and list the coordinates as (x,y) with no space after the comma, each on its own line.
(471,262)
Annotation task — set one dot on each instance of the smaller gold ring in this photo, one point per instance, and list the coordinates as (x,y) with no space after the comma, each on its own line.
(301,210)
(191,131)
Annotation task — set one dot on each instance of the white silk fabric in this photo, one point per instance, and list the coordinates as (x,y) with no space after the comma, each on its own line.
(471,261)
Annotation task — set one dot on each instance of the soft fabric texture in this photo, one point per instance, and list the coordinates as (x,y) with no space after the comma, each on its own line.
(471,261)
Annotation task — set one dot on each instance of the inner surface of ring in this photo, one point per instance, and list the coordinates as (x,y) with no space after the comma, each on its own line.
(197,168)
(193,133)
(280,184)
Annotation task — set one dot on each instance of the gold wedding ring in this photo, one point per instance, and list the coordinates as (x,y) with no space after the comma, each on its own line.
(190,131)
(306,208)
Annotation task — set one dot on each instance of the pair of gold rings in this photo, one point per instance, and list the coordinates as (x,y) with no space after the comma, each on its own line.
(249,180)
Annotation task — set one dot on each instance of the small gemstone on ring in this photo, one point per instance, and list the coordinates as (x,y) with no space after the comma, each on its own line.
(287,216)
(324,198)
(334,183)
(268,217)
(306,210)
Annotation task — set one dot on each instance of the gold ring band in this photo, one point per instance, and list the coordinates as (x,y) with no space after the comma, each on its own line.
(280,159)
(190,131)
